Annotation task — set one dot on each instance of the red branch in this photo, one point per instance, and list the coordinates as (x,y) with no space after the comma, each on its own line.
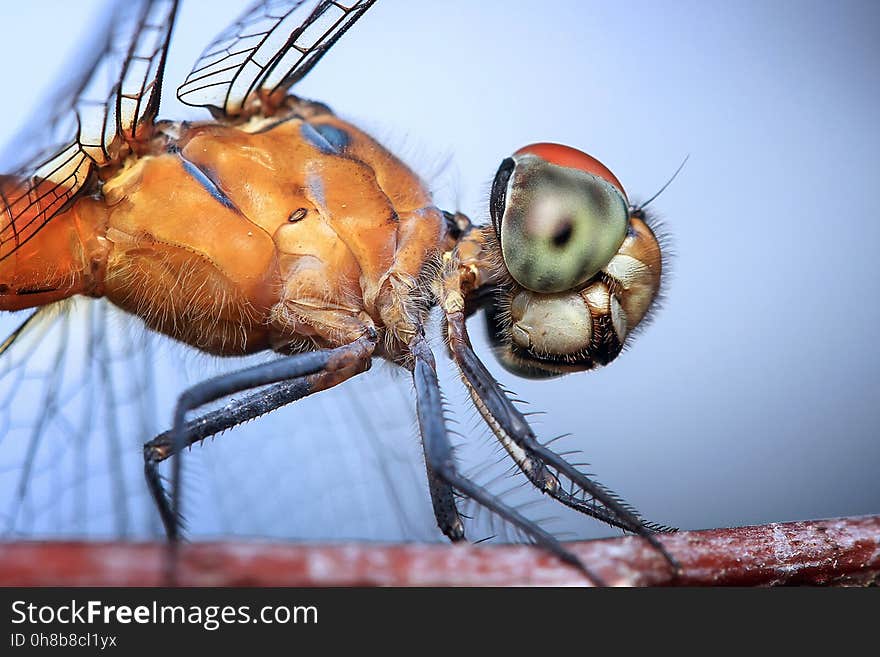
(843,551)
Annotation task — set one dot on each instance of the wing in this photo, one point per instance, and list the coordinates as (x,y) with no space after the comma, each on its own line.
(70,383)
(83,386)
(273,45)
(91,121)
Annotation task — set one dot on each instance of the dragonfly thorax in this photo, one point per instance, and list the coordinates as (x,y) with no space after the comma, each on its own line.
(292,232)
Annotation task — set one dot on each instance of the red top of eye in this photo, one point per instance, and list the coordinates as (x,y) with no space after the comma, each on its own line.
(566,156)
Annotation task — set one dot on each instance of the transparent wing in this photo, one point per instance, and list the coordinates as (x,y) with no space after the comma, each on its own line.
(70,389)
(88,123)
(83,386)
(274,44)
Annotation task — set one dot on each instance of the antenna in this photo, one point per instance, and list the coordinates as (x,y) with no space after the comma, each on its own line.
(641,207)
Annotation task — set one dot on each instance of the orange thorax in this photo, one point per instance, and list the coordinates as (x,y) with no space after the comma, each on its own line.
(238,239)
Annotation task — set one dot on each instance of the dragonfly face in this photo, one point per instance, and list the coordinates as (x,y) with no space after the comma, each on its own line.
(579,267)
(279,226)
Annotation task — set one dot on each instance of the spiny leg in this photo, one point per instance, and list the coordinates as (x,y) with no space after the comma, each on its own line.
(339,361)
(445,510)
(533,458)
(237,411)
(440,460)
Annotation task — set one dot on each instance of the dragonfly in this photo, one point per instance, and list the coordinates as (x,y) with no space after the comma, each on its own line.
(275,227)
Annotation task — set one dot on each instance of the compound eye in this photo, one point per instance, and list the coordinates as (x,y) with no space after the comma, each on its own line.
(564,217)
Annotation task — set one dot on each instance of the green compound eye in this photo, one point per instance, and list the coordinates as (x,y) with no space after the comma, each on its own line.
(559,224)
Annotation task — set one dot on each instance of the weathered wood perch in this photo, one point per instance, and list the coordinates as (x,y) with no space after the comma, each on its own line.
(843,551)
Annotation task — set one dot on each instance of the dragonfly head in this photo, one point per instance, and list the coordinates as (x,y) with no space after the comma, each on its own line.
(582,266)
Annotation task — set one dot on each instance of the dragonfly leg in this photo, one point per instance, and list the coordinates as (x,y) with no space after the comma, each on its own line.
(445,509)
(335,365)
(542,466)
(236,412)
(440,459)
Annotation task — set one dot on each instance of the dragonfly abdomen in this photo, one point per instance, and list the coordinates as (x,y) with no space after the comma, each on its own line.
(41,264)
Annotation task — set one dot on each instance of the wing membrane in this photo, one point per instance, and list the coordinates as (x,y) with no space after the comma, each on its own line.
(69,382)
(83,385)
(273,45)
(87,124)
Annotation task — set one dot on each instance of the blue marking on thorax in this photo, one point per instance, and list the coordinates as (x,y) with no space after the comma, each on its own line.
(209,185)
(326,138)
(315,185)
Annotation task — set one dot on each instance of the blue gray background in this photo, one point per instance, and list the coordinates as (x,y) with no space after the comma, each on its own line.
(754,395)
